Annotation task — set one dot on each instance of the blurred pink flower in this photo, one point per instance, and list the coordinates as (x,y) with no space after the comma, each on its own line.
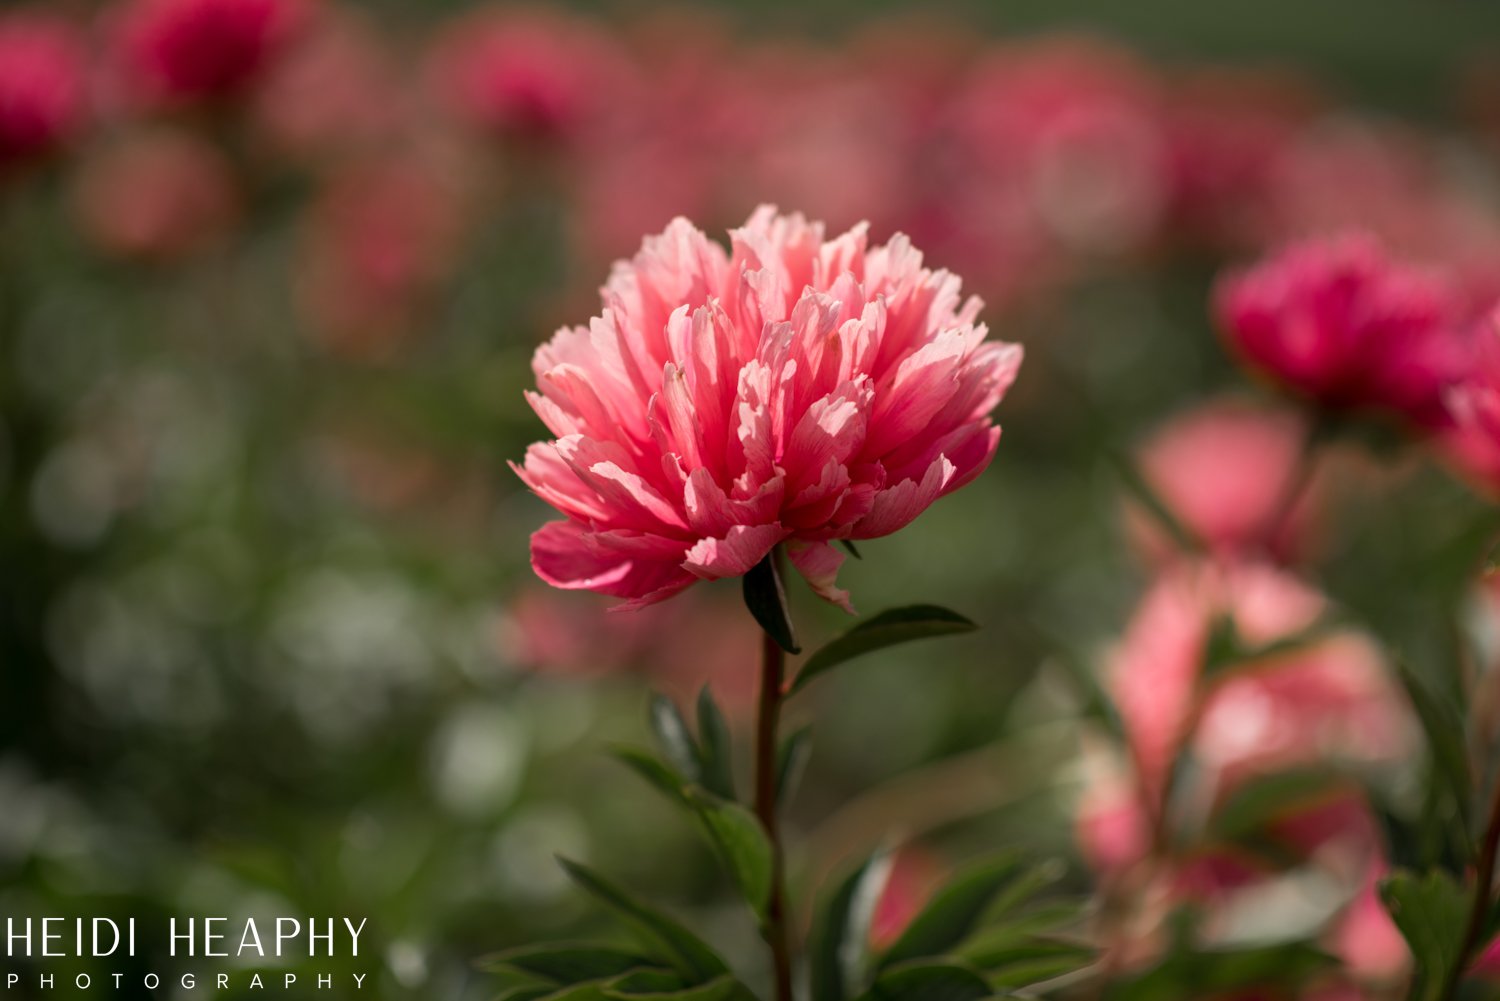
(174,51)
(915,875)
(338,91)
(1329,697)
(793,390)
(381,239)
(42,90)
(1474,440)
(158,194)
(1224,470)
(526,73)
(1340,322)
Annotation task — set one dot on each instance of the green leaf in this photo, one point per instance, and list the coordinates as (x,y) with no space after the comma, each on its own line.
(577,992)
(566,962)
(953,912)
(1190,975)
(1028,960)
(1432,913)
(1258,802)
(734,832)
(838,945)
(655,771)
(742,843)
(852,549)
(896,625)
(1027,884)
(672,733)
(766,599)
(715,747)
(1442,723)
(929,982)
(647,982)
(724,988)
(529,992)
(791,761)
(680,947)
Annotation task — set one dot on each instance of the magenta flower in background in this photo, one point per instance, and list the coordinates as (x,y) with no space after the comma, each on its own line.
(42,89)
(1340,322)
(190,50)
(793,390)
(1474,440)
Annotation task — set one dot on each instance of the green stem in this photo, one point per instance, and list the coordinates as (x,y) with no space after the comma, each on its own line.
(772,686)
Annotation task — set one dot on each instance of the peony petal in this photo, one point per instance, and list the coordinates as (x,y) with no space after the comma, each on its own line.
(566,555)
(896,506)
(741,548)
(819,563)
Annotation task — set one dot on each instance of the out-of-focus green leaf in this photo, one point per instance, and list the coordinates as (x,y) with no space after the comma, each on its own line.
(735,833)
(791,760)
(1252,806)
(655,771)
(928,981)
(724,988)
(896,625)
(529,992)
(567,962)
(578,992)
(743,844)
(1431,911)
(676,741)
(839,941)
(766,599)
(679,947)
(1028,960)
(647,982)
(1443,724)
(1188,974)
(953,913)
(715,747)
(1020,892)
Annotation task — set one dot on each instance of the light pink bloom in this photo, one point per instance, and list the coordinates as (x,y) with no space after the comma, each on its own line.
(1340,322)
(42,60)
(792,390)
(1224,470)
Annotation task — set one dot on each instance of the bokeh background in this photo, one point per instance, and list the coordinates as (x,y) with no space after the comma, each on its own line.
(271,272)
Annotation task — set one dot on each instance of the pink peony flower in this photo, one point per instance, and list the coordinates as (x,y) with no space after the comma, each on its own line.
(42,62)
(1340,322)
(1225,470)
(793,390)
(1474,441)
(190,50)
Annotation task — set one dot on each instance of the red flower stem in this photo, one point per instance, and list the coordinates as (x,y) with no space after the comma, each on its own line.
(1484,881)
(772,682)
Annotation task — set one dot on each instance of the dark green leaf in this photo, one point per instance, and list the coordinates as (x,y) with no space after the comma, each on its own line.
(724,988)
(715,747)
(1257,803)
(766,599)
(578,992)
(1027,884)
(647,982)
(896,625)
(849,545)
(1443,724)
(929,982)
(672,733)
(742,843)
(1028,960)
(566,962)
(952,913)
(839,941)
(529,992)
(1192,974)
(1432,913)
(680,947)
(791,760)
